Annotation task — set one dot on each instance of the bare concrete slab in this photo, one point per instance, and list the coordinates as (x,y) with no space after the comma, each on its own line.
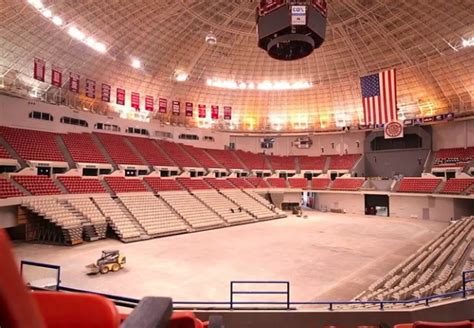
(324,257)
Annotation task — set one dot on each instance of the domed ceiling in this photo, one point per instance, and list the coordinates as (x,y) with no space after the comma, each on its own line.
(422,39)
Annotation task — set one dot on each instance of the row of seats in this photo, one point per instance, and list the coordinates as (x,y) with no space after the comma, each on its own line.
(32,144)
(311,163)
(7,189)
(4,153)
(177,154)
(150,152)
(347,184)
(118,219)
(82,148)
(120,184)
(219,183)
(277,182)
(458,186)
(81,185)
(153,214)
(158,184)
(453,157)
(252,161)
(227,158)
(282,162)
(196,214)
(257,182)
(118,149)
(91,214)
(193,184)
(434,269)
(38,184)
(249,203)
(202,157)
(419,185)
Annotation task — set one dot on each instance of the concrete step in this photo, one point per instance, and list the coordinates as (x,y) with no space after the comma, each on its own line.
(103,151)
(63,148)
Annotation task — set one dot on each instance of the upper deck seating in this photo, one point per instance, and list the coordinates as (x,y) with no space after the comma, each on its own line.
(252,161)
(419,185)
(226,158)
(319,184)
(453,157)
(193,184)
(82,148)
(159,184)
(201,157)
(219,183)
(118,149)
(457,186)
(282,162)
(258,182)
(277,182)
(150,152)
(343,162)
(38,184)
(178,155)
(121,184)
(240,183)
(349,184)
(298,183)
(314,163)
(78,185)
(33,145)
(4,153)
(8,190)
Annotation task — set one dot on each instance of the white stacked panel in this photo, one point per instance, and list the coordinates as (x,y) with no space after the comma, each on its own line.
(244,200)
(231,212)
(153,214)
(55,212)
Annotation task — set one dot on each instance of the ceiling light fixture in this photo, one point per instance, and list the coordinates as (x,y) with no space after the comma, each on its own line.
(136,63)
(47,13)
(211,38)
(469,42)
(265,85)
(75,33)
(58,21)
(180,76)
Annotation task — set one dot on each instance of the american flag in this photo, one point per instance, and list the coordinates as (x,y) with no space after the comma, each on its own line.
(379,97)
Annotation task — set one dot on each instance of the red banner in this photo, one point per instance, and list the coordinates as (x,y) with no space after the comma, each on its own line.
(105,92)
(57,76)
(175,107)
(74,82)
(215,112)
(202,111)
(90,88)
(39,69)
(120,96)
(135,100)
(149,103)
(188,108)
(162,105)
(227,113)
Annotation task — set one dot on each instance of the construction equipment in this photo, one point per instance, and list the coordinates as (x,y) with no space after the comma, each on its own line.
(110,261)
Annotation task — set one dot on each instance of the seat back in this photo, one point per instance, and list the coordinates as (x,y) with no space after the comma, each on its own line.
(458,324)
(17,307)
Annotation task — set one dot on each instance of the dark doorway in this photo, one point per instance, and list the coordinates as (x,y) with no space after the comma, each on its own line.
(377,205)
(44,171)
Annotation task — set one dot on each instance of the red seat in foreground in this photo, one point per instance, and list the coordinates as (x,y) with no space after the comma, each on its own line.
(21,308)
(427,324)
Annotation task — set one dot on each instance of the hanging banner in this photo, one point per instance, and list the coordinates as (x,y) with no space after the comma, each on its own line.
(214,112)
(39,69)
(105,92)
(227,113)
(149,103)
(202,111)
(175,107)
(90,88)
(74,82)
(120,96)
(189,109)
(393,130)
(135,100)
(56,76)
(162,105)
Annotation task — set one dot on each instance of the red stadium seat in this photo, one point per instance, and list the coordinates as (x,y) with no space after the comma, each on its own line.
(159,184)
(427,324)
(121,184)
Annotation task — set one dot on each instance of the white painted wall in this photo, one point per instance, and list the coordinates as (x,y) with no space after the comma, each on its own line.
(453,135)
(405,206)
(8,216)
(350,203)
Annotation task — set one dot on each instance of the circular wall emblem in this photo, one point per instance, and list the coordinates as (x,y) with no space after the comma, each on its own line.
(393,129)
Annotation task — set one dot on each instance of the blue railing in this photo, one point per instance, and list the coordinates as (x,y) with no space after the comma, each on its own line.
(287,304)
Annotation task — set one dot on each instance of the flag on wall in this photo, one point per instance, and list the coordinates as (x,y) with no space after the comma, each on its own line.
(162,105)
(120,96)
(39,69)
(149,103)
(214,112)
(90,88)
(56,76)
(379,97)
(188,108)
(175,107)
(105,92)
(202,111)
(135,100)
(227,113)
(74,82)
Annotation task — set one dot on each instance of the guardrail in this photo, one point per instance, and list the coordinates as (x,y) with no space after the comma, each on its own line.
(287,304)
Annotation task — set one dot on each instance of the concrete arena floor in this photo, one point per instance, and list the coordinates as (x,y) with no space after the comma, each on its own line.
(325,257)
